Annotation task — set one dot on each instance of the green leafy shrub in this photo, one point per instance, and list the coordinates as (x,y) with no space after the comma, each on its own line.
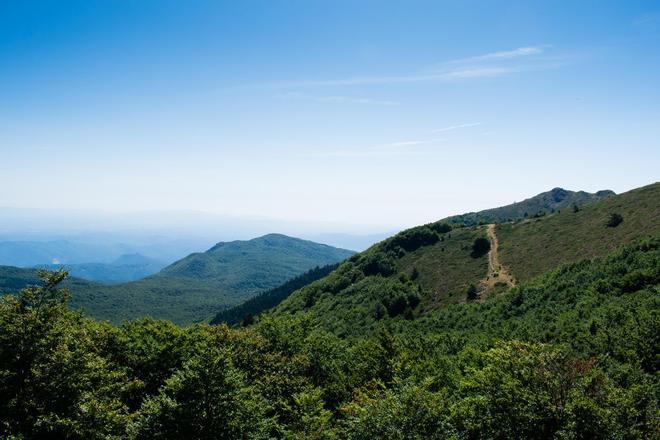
(471,292)
(614,220)
(413,239)
(480,247)
(377,263)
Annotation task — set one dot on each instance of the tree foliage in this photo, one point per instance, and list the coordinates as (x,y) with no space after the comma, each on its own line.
(572,354)
(614,220)
(480,247)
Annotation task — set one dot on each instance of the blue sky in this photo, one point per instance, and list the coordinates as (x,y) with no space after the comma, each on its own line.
(376,113)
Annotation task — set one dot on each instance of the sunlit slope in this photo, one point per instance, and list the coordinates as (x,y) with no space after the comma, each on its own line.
(402,276)
(544,203)
(535,246)
(428,267)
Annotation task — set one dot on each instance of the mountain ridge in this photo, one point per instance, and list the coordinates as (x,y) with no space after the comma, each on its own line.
(541,204)
(430,266)
(195,287)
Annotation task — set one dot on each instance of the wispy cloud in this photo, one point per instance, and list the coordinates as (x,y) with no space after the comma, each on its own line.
(404,147)
(455,127)
(353,153)
(350,100)
(502,55)
(476,72)
(493,64)
(339,99)
(409,144)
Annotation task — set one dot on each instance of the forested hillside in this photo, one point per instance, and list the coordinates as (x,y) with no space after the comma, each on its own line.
(246,312)
(413,271)
(431,266)
(572,354)
(196,287)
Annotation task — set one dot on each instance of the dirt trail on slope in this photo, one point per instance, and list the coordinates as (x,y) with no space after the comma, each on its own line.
(497,273)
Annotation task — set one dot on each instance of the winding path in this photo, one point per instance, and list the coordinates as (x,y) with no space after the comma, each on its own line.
(497,273)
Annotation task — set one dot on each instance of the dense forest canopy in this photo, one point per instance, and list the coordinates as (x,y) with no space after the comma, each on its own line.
(572,354)
(198,286)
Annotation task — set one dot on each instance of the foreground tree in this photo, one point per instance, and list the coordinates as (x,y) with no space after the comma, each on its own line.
(207,399)
(52,382)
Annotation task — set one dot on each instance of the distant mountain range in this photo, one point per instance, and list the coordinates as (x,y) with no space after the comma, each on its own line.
(24,253)
(164,235)
(196,287)
(93,247)
(129,267)
(545,203)
(435,259)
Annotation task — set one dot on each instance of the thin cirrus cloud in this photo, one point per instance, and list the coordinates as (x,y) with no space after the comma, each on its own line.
(351,100)
(336,99)
(477,72)
(408,144)
(502,55)
(456,127)
(399,147)
(493,64)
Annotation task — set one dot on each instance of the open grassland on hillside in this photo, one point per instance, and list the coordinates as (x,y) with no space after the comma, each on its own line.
(535,246)
(446,268)
(430,267)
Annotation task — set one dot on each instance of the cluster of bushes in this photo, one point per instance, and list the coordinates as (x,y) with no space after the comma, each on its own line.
(412,239)
(398,298)
(378,263)
(570,355)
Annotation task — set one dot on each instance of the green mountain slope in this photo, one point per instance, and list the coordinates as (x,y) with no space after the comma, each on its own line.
(545,203)
(407,274)
(532,247)
(13,279)
(194,288)
(569,355)
(255,263)
(197,286)
(270,298)
(424,268)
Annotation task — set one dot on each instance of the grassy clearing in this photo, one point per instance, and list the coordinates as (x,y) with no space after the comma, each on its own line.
(533,247)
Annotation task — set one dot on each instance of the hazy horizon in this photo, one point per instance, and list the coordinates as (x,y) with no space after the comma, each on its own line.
(188,222)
